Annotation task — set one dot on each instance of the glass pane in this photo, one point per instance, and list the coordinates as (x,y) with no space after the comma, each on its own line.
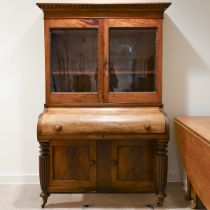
(132,60)
(74,60)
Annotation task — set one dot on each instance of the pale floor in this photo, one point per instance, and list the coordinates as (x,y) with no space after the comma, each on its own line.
(26,197)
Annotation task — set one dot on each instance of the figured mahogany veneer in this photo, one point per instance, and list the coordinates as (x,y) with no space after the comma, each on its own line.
(103,128)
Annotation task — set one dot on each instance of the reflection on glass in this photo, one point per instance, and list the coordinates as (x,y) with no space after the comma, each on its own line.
(132,55)
(74,61)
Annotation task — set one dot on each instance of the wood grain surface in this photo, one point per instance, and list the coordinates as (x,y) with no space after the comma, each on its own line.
(193,137)
(99,121)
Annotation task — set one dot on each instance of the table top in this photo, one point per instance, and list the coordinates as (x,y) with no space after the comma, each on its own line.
(200,125)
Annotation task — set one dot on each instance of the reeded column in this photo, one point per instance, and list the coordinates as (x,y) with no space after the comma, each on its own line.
(44,171)
(161,171)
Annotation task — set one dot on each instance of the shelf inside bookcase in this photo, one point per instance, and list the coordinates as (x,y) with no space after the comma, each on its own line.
(132,72)
(74,73)
(132,83)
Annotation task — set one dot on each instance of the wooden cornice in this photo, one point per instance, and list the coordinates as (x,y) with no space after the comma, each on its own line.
(133,10)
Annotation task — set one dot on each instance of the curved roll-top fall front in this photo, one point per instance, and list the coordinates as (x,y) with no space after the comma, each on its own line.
(66,121)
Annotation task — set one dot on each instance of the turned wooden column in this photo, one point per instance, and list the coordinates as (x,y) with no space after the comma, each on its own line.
(44,171)
(161,171)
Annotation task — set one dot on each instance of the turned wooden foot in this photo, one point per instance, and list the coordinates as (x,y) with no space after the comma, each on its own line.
(188,195)
(44,197)
(160,199)
(193,205)
(161,172)
(194,202)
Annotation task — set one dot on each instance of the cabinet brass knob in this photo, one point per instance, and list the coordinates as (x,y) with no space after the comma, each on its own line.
(58,128)
(147,127)
(107,67)
(92,162)
(114,162)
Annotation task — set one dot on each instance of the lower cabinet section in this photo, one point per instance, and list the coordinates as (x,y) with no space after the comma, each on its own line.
(103,166)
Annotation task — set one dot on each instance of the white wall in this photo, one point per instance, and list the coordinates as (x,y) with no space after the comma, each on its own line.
(186,83)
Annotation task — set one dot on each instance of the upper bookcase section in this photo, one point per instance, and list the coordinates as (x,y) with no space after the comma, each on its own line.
(132,10)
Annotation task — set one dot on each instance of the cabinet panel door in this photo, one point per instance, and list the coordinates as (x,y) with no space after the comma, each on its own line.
(73,165)
(73,65)
(133,165)
(133,56)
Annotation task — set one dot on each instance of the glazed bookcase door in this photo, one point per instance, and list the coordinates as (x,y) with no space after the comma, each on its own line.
(133,61)
(72,61)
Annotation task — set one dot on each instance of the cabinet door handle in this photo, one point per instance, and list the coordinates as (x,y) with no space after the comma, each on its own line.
(58,128)
(106,65)
(92,162)
(114,162)
(147,127)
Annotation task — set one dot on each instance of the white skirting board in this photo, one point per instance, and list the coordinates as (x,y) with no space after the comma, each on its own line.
(173,176)
(19,178)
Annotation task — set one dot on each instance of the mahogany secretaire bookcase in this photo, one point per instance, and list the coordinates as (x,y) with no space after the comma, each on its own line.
(103,128)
